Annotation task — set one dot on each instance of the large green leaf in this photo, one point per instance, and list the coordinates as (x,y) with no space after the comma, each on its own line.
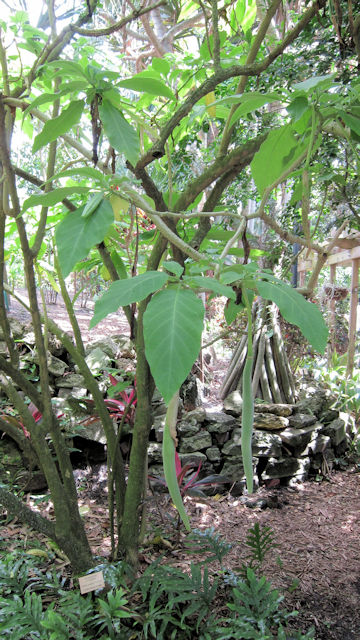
(52,197)
(295,309)
(144,84)
(121,134)
(56,127)
(75,235)
(275,155)
(124,292)
(202,282)
(173,324)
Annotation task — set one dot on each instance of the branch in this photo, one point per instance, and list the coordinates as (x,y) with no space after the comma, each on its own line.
(237,159)
(137,13)
(158,149)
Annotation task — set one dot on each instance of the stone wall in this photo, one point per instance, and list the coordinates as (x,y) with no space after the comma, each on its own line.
(290,442)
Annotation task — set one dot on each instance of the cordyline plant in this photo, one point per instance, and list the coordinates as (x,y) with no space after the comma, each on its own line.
(94,195)
(188,479)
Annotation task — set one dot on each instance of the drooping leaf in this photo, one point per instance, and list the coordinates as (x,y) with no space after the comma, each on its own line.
(203,282)
(295,309)
(173,324)
(121,134)
(276,154)
(124,292)
(52,197)
(75,235)
(56,127)
(169,460)
(144,84)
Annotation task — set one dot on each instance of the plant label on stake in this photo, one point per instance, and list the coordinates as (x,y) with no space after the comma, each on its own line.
(92,582)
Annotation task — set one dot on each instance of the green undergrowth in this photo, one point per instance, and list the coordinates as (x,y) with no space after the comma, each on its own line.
(165,602)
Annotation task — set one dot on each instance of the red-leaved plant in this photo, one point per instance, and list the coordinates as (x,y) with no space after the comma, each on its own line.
(188,481)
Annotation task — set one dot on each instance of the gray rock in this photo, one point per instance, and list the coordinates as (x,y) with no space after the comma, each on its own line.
(155,453)
(286,467)
(107,345)
(328,415)
(125,345)
(197,442)
(17,329)
(233,446)
(312,404)
(283,410)
(343,446)
(298,439)
(266,444)
(219,422)
(318,444)
(233,469)
(213,454)
(190,392)
(97,360)
(302,420)
(69,381)
(186,429)
(159,410)
(199,415)
(56,366)
(55,346)
(221,438)
(233,403)
(269,422)
(193,459)
(91,430)
(335,430)
(158,425)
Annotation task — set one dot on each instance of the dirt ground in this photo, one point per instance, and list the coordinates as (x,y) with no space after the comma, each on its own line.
(316,527)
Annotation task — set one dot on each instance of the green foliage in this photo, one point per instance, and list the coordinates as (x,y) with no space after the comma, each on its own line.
(208,542)
(75,236)
(121,134)
(259,540)
(164,602)
(56,127)
(173,324)
(185,599)
(124,292)
(256,613)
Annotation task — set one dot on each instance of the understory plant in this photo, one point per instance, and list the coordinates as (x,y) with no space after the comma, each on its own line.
(164,602)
